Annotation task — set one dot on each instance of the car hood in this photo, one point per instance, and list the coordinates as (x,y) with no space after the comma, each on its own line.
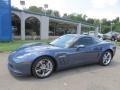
(34,47)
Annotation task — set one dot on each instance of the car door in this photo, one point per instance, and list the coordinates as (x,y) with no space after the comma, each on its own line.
(86,53)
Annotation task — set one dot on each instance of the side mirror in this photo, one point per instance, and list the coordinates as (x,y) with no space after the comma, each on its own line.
(80,46)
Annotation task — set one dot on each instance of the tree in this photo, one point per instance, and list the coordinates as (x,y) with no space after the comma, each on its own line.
(90,20)
(116,20)
(105,24)
(35,9)
(79,17)
(84,17)
(117,27)
(56,13)
(65,15)
(49,12)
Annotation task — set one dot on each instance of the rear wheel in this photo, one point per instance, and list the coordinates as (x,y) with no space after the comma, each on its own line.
(43,67)
(106,58)
(113,39)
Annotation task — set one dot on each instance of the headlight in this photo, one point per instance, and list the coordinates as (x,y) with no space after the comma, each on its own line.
(24,55)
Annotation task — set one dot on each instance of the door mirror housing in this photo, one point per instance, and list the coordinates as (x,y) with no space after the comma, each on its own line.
(80,46)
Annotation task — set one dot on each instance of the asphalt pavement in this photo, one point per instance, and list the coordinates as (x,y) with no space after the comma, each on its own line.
(91,77)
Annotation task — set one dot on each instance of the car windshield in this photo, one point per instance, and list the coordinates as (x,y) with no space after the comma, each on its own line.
(64,41)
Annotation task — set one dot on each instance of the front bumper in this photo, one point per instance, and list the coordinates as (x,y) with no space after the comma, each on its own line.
(15,72)
(18,69)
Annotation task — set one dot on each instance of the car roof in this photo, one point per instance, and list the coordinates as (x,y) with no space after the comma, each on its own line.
(79,35)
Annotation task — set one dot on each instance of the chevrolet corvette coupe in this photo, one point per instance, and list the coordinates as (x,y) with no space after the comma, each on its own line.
(42,59)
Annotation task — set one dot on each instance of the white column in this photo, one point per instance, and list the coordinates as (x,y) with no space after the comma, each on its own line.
(22,26)
(44,27)
(79,28)
(96,31)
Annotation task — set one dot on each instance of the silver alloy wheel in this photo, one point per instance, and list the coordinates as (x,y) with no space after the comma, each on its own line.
(44,67)
(107,58)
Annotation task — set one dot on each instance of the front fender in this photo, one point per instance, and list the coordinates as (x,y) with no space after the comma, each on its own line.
(58,57)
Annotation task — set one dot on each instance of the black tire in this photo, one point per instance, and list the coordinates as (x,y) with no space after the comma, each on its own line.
(34,66)
(102,60)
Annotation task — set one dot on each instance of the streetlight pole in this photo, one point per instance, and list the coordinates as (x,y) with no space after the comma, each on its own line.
(111,26)
(100,27)
(22,3)
(100,22)
(45,6)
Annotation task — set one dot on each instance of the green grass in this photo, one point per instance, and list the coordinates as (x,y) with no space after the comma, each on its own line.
(118,43)
(10,46)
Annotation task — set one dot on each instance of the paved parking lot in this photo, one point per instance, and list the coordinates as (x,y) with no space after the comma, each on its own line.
(92,77)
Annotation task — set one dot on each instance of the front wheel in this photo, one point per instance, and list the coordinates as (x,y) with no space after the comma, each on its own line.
(43,67)
(106,58)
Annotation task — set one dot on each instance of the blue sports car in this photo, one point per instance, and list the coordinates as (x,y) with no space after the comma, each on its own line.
(42,59)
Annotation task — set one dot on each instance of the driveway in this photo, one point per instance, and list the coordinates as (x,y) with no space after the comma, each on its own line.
(92,77)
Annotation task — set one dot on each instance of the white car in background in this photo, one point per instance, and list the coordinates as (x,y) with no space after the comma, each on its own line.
(92,33)
(111,35)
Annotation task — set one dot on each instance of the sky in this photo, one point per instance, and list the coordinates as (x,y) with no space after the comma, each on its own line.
(99,9)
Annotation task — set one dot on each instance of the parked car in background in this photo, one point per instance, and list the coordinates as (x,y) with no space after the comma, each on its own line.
(99,35)
(111,36)
(118,37)
(84,33)
(92,33)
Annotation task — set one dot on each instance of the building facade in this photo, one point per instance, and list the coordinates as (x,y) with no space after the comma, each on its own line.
(28,25)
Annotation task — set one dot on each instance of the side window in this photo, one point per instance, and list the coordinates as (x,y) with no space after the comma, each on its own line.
(96,40)
(85,41)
